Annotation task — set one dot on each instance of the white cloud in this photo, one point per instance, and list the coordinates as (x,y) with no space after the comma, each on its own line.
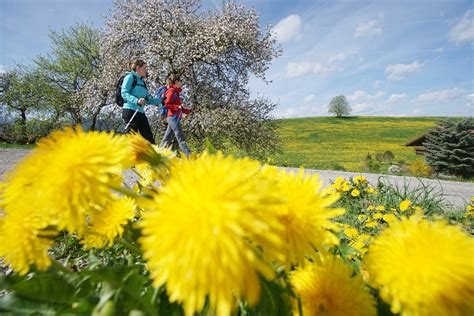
(356,95)
(308,98)
(470,97)
(288,29)
(441,95)
(470,102)
(289,112)
(399,71)
(360,107)
(361,94)
(377,83)
(396,97)
(297,69)
(375,96)
(372,108)
(300,69)
(369,29)
(463,31)
(337,57)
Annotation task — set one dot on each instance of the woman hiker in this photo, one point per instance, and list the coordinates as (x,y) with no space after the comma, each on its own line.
(175,111)
(135,95)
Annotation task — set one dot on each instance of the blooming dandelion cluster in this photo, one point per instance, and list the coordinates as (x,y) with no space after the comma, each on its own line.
(329,287)
(65,184)
(202,231)
(218,235)
(305,214)
(357,187)
(423,268)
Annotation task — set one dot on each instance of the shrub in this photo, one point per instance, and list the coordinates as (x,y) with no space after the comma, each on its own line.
(27,133)
(419,168)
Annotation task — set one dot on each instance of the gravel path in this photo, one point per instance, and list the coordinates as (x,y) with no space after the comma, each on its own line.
(457,193)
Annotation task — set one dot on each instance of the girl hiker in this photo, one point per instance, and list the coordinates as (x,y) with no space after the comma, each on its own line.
(135,95)
(175,111)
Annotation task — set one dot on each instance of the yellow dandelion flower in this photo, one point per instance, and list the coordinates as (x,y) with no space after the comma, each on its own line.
(78,170)
(469,208)
(370,208)
(346,186)
(378,215)
(142,151)
(424,268)
(159,172)
(106,224)
(201,232)
(329,287)
(366,237)
(24,242)
(419,210)
(338,184)
(389,218)
(404,205)
(359,180)
(371,224)
(361,217)
(147,174)
(351,232)
(380,208)
(357,244)
(371,190)
(355,193)
(339,180)
(306,214)
(361,242)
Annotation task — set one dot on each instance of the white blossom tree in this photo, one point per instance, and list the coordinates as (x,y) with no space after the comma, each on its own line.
(215,52)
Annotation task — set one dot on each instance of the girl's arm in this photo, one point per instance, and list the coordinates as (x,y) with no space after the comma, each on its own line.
(151,100)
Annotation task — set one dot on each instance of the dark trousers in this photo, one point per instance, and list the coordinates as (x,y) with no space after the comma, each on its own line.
(139,124)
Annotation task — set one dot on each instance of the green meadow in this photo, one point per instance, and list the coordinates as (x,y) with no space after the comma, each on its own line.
(343,143)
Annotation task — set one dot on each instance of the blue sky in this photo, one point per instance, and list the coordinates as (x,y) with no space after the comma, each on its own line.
(388,57)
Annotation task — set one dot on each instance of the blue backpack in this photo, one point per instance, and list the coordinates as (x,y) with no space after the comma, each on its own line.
(161,93)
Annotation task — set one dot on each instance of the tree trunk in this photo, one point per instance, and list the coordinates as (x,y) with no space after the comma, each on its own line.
(24,137)
(95,115)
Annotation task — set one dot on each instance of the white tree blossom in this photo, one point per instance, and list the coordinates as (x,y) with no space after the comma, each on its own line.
(215,52)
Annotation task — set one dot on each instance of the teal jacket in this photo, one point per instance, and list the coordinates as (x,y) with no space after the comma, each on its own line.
(131,96)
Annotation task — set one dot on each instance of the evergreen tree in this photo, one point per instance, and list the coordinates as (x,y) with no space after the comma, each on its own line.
(450,148)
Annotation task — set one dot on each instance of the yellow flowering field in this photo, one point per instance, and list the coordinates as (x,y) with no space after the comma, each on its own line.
(329,142)
(218,235)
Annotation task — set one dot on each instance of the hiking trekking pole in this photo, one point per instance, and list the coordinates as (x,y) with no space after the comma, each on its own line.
(130,122)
